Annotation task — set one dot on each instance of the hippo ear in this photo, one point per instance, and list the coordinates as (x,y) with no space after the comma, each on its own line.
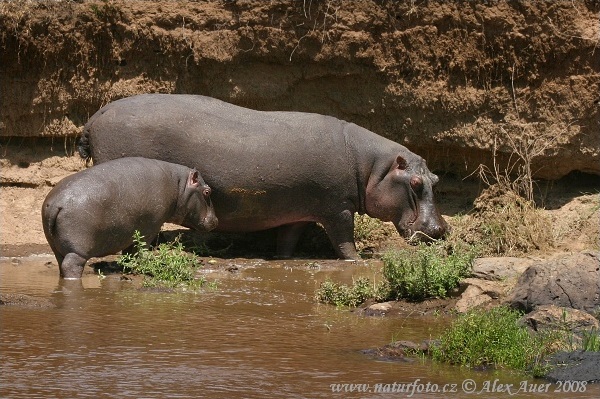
(402,164)
(193,178)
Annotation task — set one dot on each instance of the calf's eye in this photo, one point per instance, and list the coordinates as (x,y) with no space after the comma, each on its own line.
(416,183)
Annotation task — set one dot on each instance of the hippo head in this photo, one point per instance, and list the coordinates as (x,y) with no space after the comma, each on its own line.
(403,194)
(195,204)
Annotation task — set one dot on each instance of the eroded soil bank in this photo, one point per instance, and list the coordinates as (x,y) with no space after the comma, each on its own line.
(451,80)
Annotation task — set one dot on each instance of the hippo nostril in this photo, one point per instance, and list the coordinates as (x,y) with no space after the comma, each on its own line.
(210,223)
(439,231)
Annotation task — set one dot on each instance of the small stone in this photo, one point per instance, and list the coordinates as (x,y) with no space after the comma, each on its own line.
(472,297)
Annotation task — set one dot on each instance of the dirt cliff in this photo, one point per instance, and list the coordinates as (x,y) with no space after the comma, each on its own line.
(451,80)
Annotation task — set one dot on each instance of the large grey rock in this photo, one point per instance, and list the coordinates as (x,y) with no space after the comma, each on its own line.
(500,268)
(571,281)
(575,366)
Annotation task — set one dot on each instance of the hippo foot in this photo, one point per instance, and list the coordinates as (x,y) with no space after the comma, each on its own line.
(71,267)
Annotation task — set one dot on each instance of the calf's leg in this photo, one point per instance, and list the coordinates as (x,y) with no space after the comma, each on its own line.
(71,266)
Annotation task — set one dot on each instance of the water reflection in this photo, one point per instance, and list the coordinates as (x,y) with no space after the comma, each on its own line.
(259,334)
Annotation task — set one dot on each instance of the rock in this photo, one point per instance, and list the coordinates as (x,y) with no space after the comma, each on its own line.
(575,366)
(472,297)
(491,288)
(378,309)
(570,281)
(500,268)
(478,292)
(550,317)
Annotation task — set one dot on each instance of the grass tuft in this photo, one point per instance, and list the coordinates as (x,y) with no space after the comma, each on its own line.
(591,340)
(168,266)
(493,338)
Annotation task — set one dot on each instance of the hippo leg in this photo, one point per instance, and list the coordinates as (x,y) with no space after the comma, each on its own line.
(340,230)
(287,238)
(71,266)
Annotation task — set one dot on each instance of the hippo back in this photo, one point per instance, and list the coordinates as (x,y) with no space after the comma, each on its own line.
(256,162)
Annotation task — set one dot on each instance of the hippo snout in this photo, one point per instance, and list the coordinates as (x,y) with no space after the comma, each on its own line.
(440,230)
(210,223)
(428,231)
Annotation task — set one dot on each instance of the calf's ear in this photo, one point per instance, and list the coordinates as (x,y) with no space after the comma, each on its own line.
(193,178)
(402,164)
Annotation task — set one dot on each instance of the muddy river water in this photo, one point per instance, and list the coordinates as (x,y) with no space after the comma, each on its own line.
(259,334)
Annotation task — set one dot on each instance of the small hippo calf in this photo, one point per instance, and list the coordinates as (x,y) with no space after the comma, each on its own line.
(95,212)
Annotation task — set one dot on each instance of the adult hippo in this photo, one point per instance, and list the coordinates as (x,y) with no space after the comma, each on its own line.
(274,169)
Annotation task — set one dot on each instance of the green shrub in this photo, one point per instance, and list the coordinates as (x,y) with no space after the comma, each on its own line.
(424,272)
(493,338)
(166,266)
(427,272)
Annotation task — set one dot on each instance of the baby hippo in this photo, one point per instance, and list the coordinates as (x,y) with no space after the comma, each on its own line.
(95,212)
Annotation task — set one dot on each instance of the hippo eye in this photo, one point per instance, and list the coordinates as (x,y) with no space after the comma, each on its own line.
(416,183)
(206,192)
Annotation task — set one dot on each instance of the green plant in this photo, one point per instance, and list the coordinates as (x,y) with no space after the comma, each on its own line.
(342,295)
(494,338)
(427,272)
(591,341)
(167,266)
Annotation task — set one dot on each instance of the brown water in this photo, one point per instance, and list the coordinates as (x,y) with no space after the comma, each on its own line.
(259,334)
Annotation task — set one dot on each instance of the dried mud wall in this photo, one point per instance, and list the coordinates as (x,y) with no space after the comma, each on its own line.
(451,80)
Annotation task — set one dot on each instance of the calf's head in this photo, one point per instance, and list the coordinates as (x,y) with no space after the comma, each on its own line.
(403,194)
(195,205)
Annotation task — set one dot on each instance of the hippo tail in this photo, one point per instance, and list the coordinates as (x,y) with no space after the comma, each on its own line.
(83,146)
(49,216)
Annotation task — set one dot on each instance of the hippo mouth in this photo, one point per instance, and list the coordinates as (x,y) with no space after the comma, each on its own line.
(407,229)
(209,223)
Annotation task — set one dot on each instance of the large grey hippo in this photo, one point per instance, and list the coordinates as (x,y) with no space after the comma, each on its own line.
(274,169)
(95,212)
